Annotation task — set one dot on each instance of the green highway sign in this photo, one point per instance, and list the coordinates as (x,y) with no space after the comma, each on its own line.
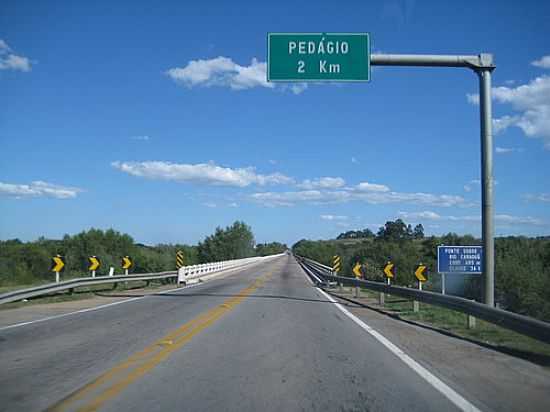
(338,57)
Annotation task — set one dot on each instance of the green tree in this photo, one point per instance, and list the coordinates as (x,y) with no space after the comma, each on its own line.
(233,242)
(418,232)
(397,230)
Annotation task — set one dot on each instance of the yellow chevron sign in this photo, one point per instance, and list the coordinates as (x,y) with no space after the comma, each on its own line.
(336,263)
(421,273)
(389,270)
(94,263)
(58,263)
(357,271)
(180,259)
(126,262)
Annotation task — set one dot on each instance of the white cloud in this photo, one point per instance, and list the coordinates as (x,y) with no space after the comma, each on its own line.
(503,123)
(210,205)
(372,187)
(207,173)
(531,101)
(221,71)
(349,194)
(233,204)
(543,62)
(322,183)
(472,98)
(420,215)
(343,224)
(296,88)
(272,161)
(142,137)
(505,220)
(224,72)
(468,186)
(4,48)
(10,61)
(334,217)
(38,188)
(476,182)
(287,198)
(354,160)
(500,219)
(541,197)
(504,150)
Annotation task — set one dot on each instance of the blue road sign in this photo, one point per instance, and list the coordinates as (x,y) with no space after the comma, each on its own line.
(459,259)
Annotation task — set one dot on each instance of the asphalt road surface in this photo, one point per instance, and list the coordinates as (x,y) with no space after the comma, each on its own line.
(261,339)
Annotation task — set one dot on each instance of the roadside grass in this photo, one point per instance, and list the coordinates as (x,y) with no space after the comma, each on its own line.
(81,293)
(457,323)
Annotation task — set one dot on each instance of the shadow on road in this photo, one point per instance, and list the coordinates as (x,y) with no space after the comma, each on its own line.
(219,295)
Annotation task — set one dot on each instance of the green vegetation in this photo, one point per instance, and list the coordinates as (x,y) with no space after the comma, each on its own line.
(233,242)
(273,248)
(28,263)
(522,264)
(456,323)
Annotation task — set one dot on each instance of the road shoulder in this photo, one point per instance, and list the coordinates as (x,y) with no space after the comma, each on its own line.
(504,382)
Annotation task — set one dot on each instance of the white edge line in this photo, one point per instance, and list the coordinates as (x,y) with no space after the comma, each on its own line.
(433,380)
(16,325)
(70,313)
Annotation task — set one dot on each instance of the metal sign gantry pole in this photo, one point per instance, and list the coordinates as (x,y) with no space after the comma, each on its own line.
(483,65)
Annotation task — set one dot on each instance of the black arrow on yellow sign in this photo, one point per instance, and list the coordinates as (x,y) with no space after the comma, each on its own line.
(126,262)
(58,263)
(421,273)
(389,270)
(95,263)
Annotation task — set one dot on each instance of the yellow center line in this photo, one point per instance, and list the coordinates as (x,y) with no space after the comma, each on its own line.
(116,379)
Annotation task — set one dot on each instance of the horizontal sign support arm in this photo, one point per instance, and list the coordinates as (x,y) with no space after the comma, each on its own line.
(483,61)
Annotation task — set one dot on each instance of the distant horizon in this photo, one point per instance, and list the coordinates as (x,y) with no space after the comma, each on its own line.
(289,244)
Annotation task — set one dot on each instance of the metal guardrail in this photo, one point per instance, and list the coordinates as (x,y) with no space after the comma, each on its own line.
(518,323)
(186,273)
(50,288)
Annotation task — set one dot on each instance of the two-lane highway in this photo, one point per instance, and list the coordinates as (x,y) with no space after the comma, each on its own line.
(262,338)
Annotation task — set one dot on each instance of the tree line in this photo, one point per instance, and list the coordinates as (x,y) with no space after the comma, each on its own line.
(29,262)
(522,264)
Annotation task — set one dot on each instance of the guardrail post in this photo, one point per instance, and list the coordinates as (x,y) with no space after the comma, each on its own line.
(471,322)
(381,298)
(416,304)
(389,284)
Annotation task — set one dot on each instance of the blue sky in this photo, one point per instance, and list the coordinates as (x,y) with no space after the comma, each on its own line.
(155,118)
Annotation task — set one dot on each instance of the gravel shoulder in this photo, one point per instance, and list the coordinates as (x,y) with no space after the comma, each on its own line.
(497,380)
